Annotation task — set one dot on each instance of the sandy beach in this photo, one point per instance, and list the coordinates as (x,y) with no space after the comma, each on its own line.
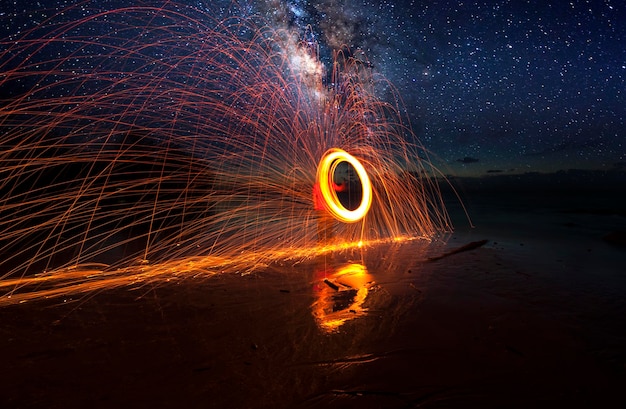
(533,317)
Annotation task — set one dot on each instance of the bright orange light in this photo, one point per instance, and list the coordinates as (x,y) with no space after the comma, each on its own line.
(352,283)
(325,171)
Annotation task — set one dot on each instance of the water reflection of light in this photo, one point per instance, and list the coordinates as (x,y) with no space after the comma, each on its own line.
(340,295)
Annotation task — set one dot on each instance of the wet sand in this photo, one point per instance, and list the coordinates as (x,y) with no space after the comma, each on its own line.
(532,318)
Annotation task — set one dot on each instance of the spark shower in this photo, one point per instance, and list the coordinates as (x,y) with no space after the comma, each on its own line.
(144,143)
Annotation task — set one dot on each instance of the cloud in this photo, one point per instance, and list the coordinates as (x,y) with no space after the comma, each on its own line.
(468,159)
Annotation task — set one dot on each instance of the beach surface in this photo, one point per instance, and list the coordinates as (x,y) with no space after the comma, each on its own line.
(524,309)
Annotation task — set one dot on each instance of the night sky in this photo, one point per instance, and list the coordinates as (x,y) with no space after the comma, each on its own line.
(513,86)
(506,86)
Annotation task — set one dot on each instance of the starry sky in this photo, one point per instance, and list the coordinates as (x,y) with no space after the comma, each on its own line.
(489,86)
(510,86)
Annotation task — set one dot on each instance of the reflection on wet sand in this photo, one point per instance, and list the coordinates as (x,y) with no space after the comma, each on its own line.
(421,324)
(340,295)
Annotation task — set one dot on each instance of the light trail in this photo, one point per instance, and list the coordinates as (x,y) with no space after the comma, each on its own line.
(139,141)
(325,174)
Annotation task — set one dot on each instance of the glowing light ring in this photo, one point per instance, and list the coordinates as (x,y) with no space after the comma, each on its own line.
(325,172)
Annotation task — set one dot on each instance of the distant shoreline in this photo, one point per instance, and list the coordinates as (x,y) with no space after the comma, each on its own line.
(563,180)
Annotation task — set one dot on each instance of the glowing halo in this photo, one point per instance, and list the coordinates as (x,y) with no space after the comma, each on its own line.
(325,171)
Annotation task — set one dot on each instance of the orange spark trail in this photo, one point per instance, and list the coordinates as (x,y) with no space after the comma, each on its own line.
(172,143)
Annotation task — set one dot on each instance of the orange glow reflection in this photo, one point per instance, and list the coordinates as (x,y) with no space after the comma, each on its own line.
(340,296)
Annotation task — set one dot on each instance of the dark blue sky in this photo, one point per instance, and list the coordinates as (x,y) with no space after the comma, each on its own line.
(523,85)
(514,86)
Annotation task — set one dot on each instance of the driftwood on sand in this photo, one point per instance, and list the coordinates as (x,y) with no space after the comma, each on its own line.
(470,246)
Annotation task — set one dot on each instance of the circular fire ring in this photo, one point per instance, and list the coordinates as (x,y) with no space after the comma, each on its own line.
(325,177)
